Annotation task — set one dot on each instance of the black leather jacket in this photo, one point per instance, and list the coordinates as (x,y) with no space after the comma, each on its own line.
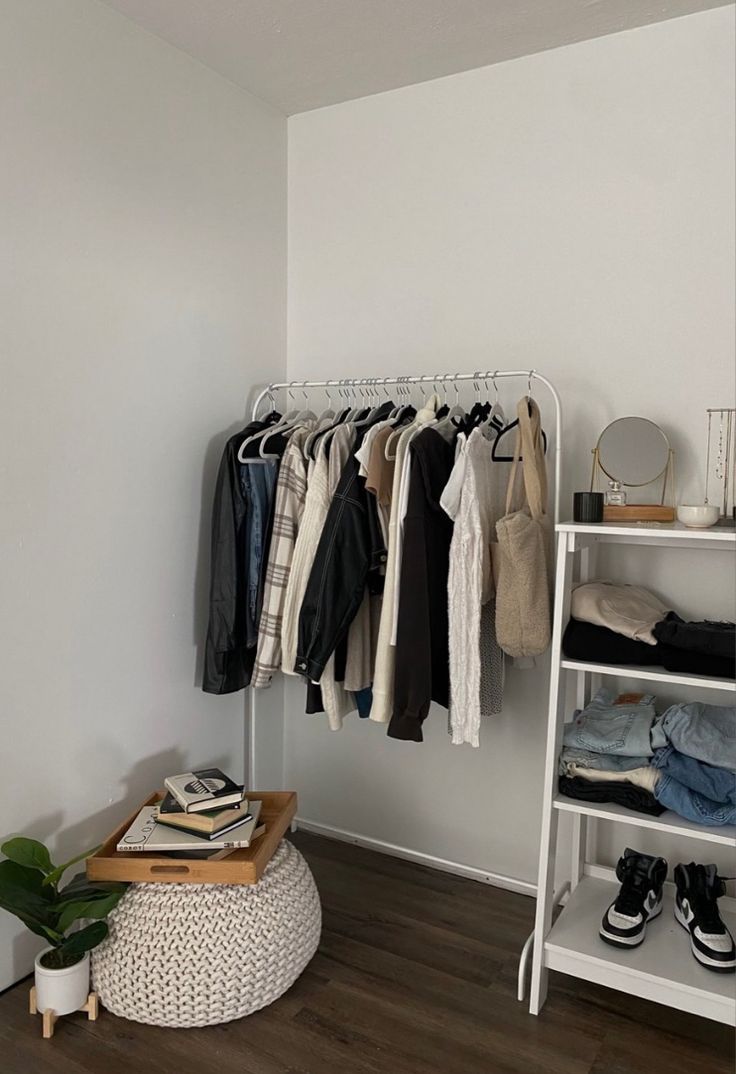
(228,663)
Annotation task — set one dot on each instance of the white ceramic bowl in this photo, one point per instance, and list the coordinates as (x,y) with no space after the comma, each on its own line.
(698,517)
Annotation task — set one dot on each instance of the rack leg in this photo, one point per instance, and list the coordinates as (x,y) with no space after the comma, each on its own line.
(523,963)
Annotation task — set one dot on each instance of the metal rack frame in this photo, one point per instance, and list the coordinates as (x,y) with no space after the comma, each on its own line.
(439,382)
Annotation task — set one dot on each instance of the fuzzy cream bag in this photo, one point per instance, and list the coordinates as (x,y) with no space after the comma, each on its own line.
(523,613)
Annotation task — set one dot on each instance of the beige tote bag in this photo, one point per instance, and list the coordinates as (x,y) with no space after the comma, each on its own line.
(523,614)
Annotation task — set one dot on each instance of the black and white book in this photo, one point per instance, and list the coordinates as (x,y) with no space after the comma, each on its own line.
(209,823)
(205,789)
(145,834)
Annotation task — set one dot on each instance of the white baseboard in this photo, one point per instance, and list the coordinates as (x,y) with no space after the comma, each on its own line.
(497,880)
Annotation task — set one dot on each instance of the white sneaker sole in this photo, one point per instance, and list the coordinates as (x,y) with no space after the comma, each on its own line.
(633,941)
(709,963)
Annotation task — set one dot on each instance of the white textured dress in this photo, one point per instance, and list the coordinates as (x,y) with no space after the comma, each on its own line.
(476,661)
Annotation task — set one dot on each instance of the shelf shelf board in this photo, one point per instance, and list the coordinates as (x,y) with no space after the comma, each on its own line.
(666,533)
(668,822)
(650,674)
(662,969)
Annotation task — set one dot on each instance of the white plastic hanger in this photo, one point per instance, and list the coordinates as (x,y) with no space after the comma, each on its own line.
(289,426)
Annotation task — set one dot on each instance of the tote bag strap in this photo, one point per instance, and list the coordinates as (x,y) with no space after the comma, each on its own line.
(529,451)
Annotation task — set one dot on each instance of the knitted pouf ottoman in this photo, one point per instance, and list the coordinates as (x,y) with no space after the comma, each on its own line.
(199,954)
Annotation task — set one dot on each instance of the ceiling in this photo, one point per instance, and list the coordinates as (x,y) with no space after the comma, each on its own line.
(304,54)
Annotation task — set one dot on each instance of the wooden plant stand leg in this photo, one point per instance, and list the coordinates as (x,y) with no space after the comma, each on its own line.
(49,1019)
(92,1007)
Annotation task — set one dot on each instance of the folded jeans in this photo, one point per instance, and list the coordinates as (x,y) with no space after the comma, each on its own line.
(571,757)
(705,732)
(691,805)
(715,783)
(604,727)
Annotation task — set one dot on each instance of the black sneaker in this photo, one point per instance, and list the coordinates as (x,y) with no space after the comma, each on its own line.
(696,908)
(642,878)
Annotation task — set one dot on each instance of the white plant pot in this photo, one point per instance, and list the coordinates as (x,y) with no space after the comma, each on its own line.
(62,991)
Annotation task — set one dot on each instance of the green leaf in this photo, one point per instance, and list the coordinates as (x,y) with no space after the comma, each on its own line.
(55,875)
(21,894)
(20,889)
(84,940)
(82,888)
(28,852)
(23,877)
(88,908)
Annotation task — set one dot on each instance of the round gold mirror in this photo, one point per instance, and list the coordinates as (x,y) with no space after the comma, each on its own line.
(633,451)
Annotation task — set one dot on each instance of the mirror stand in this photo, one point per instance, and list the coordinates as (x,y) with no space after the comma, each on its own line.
(637,512)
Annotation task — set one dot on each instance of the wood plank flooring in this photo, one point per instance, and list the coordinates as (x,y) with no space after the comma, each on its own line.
(416,974)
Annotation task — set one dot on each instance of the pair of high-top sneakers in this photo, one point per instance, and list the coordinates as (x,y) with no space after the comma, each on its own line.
(639,900)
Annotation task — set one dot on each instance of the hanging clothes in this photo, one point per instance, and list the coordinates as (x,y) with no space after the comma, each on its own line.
(383,677)
(476,659)
(291,492)
(336,700)
(349,554)
(228,659)
(258,481)
(422,673)
(380,476)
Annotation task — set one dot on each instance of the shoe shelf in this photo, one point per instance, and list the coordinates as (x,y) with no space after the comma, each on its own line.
(662,968)
(650,674)
(669,823)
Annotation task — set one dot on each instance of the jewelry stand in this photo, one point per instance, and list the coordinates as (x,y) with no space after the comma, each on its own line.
(724,465)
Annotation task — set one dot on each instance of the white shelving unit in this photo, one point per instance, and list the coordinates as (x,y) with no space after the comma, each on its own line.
(662,969)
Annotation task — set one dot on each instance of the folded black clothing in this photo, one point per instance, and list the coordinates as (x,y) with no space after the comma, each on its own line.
(689,662)
(623,794)
(713,639)
(599,645)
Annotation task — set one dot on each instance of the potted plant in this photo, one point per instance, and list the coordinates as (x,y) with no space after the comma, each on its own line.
(29,888)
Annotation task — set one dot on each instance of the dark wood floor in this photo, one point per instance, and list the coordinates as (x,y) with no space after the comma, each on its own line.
(416,974)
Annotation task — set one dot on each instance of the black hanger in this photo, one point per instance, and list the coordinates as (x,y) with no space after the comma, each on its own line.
(506,429)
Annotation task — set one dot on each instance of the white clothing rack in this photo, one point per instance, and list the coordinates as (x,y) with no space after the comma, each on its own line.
(438,381)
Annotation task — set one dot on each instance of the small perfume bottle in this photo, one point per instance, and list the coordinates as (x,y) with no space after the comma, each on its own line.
(615,496)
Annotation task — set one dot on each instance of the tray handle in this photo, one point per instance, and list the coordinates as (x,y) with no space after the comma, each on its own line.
(170,869)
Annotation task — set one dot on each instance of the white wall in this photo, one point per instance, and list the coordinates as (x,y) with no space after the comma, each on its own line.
(142,274)
(571,211)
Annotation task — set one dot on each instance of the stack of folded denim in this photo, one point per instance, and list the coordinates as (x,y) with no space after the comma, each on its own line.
(617,750)
(606,753)
(694,753)
(621,624)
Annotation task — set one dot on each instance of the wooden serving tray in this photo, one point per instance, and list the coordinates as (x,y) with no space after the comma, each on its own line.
(241,867)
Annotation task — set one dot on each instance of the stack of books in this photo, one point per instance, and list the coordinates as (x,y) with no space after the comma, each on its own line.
(204,814)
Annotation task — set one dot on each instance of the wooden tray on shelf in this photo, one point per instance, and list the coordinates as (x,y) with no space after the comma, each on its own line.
(241,867)
(638,512)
